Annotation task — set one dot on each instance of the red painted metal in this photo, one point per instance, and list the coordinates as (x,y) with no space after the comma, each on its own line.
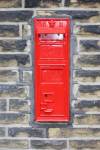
(52,69)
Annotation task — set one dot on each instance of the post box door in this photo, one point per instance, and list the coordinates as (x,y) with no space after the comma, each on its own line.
(52,69)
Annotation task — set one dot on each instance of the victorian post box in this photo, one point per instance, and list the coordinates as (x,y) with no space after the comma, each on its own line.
(52,69)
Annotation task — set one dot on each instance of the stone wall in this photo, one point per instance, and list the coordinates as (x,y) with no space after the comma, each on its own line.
(17,130)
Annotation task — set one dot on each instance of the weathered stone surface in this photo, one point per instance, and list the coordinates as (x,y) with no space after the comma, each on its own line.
(90,30)
(88,61)
(42,3)
(19,105)
(8,76)
(73,132)
(13,91)
(90,45)
(14,60)
(87,75)
(77,15)
(85,3)
(13,45)
(13,118)
(13,144)
(54,132)
(49,144)
(3,105)
(27,132)
(89,91)
(84,145)
(34,3)
(2,132)
(87,119)
(27,76)
(9,30)
(10,3)
(26,31)
(15,15)
(86,106)
(67,3)
(89,88)
(91,1)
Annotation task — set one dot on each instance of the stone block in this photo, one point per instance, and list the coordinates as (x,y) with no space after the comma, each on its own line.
(27,132)
(88,106)
(85,3)
(13,91)
(13,118)
(10,3)
(3,105)
(15,16)
(8,76)
(16,60)
(9,30)
(88,91)
(42,3)
(88,61)
(89,46)
(49,144)
(13,45)
(87,75)
(27,76)
(2,131)
(87,119)
(70,132)
(92,30)
(19,105)
(84,144)
(13,144)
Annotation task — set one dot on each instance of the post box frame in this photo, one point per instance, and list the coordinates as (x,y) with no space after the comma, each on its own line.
(33,122)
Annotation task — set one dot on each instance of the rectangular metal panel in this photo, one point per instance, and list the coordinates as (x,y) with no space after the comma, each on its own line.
(52,69)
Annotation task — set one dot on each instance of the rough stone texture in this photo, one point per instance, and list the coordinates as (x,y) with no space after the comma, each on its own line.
(86,106)
(42,3)
(73,132)
(27,76)
(14,60)
(19,105)
(80,16)
(90,1)
(88,61)
(26,31)
(10,3)
(3,105)
(90,46)
(13,118)
(13,144)
(89,88)
(49,144)
(85,145)
(87,119)
(87,75)
(9,31)
(13,45)
(27,132)
(8,76)
(16,16)
(2,132)
(85,3)
(89,30)
(13,91)
(89,91)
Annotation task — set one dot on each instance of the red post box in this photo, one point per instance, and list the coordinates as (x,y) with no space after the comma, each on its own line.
(52,69)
